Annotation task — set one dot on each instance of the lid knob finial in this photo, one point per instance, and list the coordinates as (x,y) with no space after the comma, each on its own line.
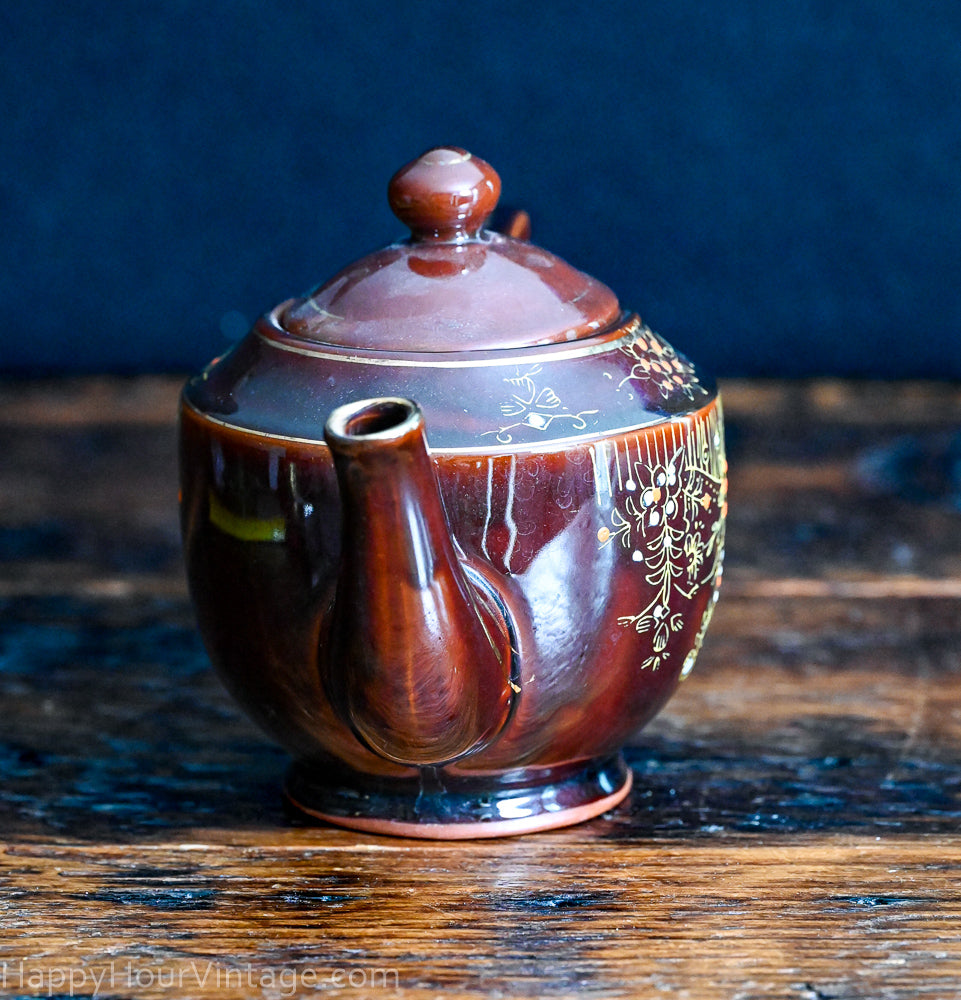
(445,194)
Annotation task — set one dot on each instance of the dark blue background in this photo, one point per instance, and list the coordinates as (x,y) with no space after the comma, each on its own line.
(774,186)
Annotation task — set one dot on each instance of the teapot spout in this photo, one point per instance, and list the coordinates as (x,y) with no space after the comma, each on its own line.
(418,657)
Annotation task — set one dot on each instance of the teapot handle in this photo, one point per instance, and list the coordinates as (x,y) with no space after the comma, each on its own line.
(516,224)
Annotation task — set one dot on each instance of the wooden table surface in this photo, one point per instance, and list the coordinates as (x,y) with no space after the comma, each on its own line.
(795,828)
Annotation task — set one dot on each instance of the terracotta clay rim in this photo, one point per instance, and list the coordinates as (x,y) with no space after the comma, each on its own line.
(478,830)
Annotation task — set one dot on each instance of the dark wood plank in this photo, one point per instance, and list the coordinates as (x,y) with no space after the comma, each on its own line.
(843,918)
(794,830)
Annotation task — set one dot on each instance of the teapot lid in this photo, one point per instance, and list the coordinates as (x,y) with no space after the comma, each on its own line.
(453,285)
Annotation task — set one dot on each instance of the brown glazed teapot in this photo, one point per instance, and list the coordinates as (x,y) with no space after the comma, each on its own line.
(453,525)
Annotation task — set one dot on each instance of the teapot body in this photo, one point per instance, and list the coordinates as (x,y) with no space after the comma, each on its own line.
(586,482)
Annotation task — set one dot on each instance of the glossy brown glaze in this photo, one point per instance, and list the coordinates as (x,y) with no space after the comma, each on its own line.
(445,195)
(407,620)
(600,640)
(453,286)
(456,608)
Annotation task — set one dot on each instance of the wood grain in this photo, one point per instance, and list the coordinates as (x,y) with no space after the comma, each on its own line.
(567,915)
(795,829)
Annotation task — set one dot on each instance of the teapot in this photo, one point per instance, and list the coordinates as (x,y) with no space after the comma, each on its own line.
(453,525)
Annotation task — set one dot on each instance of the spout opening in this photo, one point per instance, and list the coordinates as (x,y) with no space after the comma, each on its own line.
(384,419)
(384,415)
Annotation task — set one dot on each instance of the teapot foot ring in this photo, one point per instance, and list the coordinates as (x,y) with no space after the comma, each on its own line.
(439,806)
